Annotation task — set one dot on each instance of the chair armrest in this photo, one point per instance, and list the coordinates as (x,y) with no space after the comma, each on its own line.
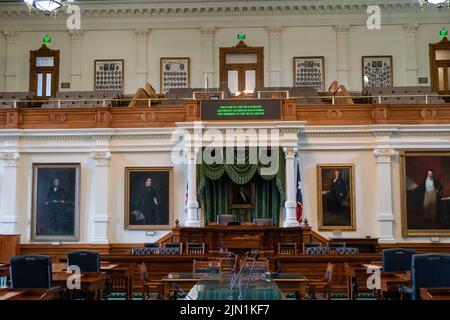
(405,289)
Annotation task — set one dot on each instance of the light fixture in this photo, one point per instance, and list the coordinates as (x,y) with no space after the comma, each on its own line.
(437,3)
(47,6)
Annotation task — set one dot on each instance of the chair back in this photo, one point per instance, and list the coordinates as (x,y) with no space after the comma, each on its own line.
(31,271)
(87,261)
(336,244)
(261,267)
(225,219)
(173,248)
(155,245)
(195,248)
(307,245)
(329,272)
(206,268)
(397,260)
(429,271)
(263,221)
(287,248)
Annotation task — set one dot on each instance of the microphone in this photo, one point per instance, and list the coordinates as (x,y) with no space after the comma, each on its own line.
(178,288)
(251,274)
(235,279)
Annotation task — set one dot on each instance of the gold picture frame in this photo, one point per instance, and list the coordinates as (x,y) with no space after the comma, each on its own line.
(336,205)
(414,167)
(237,202)
(177,78)
(55,213)
(141,210)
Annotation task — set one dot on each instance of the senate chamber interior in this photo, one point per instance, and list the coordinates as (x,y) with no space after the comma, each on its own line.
(224,150)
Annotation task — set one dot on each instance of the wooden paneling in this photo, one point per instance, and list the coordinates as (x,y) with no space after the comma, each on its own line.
(9,247)
(167,116)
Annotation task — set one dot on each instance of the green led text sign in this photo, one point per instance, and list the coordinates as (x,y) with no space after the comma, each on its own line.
(241,109)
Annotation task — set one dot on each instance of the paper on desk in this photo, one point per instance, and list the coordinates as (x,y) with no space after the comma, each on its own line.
(109,266)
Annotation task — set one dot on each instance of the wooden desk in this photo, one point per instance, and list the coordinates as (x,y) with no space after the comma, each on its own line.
(53,293)
(91,283)
(356,275)
(119,276)
(4,270)
(435,293)
(391,281)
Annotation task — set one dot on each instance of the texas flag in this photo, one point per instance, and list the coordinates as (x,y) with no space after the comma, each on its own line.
(299,194)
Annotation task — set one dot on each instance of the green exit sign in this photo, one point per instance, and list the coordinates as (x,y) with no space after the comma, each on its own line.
(47,39)
(241,36)
(443,32)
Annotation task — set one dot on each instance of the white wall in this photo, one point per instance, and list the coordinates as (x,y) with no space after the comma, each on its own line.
(294,41)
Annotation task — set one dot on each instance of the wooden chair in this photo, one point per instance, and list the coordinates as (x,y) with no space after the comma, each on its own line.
(148,286)
(324,284)
(287,248)
(195,248)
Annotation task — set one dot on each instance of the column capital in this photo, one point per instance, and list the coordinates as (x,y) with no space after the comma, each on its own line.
(142,34)
(274,32)
(207,33)
(11,36)
(191,153)
(290,152)
(9,159)
(341,29)
(410,28)
(76,35)
(101,158)
(384,155)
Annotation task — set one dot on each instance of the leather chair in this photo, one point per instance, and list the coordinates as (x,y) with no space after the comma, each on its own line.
(224,219)
(427,271)
(206,268)
(307,245)
(397,260)
(263,221)
(86,260)
(31,271)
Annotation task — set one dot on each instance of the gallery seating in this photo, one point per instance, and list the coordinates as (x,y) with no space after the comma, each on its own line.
(84,99)
(403,95)
(15,99)
(397,260)
(87,261)
(31,271)
(428,271)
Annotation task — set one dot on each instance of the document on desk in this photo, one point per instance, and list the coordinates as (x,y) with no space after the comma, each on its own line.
(9,295)
(109,266)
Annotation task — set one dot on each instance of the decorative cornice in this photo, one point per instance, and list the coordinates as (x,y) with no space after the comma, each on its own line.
(9,159)
(101,158)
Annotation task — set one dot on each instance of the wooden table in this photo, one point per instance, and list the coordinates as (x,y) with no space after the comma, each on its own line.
(53,293)
(391,281)
(91,283)
(287,283)
(4,270)
(435,293)
(119,276)
(356,276)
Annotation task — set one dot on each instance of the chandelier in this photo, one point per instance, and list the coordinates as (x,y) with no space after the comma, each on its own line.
(47,6)
(437,3)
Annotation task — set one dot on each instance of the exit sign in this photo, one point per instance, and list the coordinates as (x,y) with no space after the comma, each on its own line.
(241,36)
(47,39)
(443,32)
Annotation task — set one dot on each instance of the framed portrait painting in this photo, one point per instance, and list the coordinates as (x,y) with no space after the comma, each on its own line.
(425,190)
(108,74)
(174,74)
(148,203)
(309,72)
(377,71)
(56,202)
(242,196)
(336,197)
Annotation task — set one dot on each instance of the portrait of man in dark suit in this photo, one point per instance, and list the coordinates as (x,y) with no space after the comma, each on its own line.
(147,198)
(242,196)
(429,191)
(56,202)
(336,197)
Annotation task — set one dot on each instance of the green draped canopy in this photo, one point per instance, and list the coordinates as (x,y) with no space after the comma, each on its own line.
(213,181)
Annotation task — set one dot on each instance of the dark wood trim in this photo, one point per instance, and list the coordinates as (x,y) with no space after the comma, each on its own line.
(44,51)
(444,44)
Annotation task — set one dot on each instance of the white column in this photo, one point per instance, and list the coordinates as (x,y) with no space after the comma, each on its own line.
(411,67)
(141,56)
(207,36)
(385,215)
(342,54)
(192,203)
(274,55)
(75,70)
(291,203)
(100,191)
(11,60)
(9,194)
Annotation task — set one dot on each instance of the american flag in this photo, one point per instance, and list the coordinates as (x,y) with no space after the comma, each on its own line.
(299,194)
